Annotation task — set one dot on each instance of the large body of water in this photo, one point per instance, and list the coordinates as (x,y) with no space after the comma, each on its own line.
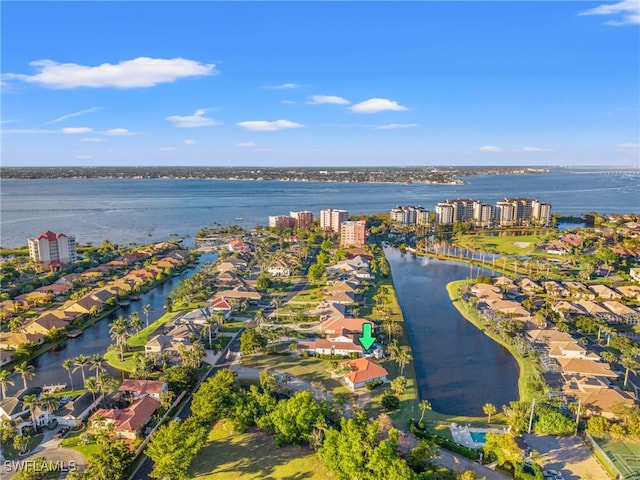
(458,368)
(142,210)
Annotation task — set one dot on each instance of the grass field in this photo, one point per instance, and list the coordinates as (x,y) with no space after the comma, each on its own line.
(253,456)
(509,245)
(625,456)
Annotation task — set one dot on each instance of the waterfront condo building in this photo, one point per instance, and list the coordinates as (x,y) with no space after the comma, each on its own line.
(52,249)
(281,221)
(303,219)
(331,220)
(353,234)
(452,211)
(521,211)
(409,215)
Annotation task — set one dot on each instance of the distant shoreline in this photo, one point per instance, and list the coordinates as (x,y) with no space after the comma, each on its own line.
(372,175)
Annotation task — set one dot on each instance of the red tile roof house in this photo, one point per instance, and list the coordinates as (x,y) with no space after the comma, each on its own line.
(128,422)
(363,371)
(142,388)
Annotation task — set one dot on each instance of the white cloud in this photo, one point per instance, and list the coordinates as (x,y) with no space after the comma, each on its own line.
(193,121)
(118,132)
(392,126)
(628,148)
(332,99)
(629,11)
(188,141)
(284,86)
(166,149)
(137,73)
(93,140)
(375,105)
(75,130)
(534,149)
(83,157)
(265,126)
(71,115)
(246,145)
(490,148)
(288,102)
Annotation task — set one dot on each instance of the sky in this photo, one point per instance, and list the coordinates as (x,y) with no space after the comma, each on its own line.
(331,83)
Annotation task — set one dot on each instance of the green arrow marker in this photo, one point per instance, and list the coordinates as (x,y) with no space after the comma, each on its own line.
(366,339)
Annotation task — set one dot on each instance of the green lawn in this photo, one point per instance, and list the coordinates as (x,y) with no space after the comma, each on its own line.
(310,369)
(509,245)
(74,440)
(253,456)
(11,453)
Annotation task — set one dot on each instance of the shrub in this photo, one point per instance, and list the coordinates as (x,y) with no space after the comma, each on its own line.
(374,384)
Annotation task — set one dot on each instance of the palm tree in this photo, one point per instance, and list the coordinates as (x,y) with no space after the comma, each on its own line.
(96,363)
(402,358)
(80,362)
(49,402)
(489,409)
(146,309)
(31,402)
(424,405)
(135,322)
(630,362)
(5,379)
(27,372)
(119,331)
(219,316)
(68,366)
(93,386)
(209,322)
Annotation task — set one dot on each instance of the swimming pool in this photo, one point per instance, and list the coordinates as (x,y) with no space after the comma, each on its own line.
(478,437)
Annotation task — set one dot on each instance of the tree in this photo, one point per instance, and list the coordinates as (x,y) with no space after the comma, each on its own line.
(5,379)
(92,386)
(27,372)
(80,362)
(31,402)
(216,396)
(424,405)
(489,409)
(110,462)
(399,385)
(402,358)
(551,422)
(390,402)
(96,363)
(135,322)
(252,341)
(504,447)
(292,420)
(68,366)
(119,331)
(173,446)
(146,309)
(629,361)
(49,402)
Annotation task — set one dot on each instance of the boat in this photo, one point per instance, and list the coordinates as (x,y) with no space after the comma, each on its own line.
(74,333)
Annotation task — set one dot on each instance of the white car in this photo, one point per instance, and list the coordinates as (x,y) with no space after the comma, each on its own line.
(552,475)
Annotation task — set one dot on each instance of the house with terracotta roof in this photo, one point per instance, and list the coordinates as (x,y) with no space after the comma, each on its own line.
(52,249)
(239,246)
(127,422)
(55,289)
(140,388)
(363,371)
(336,326)
(221,304)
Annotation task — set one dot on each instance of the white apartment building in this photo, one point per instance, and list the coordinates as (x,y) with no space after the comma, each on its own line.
(52,249)
(409,215)
(331,219)
(303,219)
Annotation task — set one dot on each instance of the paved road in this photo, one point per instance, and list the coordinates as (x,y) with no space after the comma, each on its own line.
(569,455)
(461,464)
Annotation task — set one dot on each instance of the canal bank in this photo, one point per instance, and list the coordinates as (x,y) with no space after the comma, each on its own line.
(458,368)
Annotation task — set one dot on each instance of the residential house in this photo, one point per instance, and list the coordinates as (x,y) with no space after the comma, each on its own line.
(140,388)
(5,357)
(604,292)
(530,287)
(578,290)
(11,408)
(555,289)
(339,345)
(12,340)
(344,298)
(567,309)
(221,304)
(327,310)
(44,324)
(239,246)
(587,368)
(622,313)
(596,396)
(76,411)
(127,422)
(363,371)
(239,293)
(593,309)
(629,291)
(232,264)
(55,289)
(336,326)
(281,268)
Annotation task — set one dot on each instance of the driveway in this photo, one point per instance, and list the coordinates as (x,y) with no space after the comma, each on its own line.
(569,455)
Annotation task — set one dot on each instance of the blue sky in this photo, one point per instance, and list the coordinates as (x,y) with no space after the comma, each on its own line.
(320,83)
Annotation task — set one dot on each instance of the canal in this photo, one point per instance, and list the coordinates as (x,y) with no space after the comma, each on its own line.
(96,339)
(458,368)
